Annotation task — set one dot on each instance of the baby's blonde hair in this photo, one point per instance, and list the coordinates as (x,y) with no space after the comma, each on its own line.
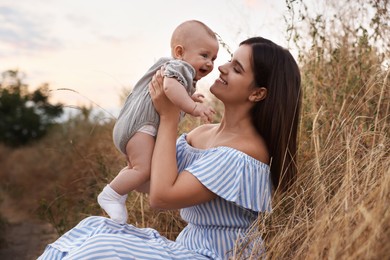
(184,32)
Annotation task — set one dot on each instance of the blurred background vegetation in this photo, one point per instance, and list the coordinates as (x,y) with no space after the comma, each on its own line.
(25,116)
(339,206)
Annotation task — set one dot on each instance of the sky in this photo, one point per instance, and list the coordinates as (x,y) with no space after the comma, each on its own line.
(98,48)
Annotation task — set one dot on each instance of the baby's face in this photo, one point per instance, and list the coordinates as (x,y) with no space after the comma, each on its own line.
(201,53)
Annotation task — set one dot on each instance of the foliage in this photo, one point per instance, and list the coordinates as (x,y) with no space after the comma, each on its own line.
(24,116)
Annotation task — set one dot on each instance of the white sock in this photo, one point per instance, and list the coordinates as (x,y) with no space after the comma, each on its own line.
(114,204)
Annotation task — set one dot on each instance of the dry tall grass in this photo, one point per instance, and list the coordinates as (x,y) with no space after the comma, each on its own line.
(339,207)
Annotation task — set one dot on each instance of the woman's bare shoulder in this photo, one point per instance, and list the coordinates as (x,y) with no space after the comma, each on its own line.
(198,135)
(256,148)
(251,144)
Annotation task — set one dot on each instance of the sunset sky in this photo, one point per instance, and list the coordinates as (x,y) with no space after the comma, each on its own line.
(99,47)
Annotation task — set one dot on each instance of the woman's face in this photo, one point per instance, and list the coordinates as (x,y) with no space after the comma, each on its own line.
(236,81)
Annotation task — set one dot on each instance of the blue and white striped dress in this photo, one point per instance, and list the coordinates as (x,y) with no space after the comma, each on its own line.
(243,187)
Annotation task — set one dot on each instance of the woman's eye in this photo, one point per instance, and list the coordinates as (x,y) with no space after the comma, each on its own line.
(236,68)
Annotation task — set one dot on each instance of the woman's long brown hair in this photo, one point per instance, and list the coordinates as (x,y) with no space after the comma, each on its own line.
(276,117)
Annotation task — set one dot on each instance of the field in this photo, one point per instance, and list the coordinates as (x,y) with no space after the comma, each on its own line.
(339,207)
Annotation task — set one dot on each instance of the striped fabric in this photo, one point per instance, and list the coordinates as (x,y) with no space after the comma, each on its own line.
(242,184)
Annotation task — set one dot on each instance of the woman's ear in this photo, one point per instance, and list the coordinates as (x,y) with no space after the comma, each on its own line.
(178,51)
(258,94)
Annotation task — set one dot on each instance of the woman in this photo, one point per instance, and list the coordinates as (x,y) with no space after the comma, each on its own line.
(218,174)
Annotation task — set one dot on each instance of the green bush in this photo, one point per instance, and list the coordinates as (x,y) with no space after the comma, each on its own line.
(24,116)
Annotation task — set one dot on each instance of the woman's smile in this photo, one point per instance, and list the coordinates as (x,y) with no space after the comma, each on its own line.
(220,80)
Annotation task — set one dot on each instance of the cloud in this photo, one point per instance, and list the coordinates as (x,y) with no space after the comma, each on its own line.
(21,31)
(78,20)
(88,27)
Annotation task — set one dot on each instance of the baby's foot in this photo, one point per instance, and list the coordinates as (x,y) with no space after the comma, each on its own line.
(114,204)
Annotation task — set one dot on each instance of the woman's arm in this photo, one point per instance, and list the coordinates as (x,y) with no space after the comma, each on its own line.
(168,189)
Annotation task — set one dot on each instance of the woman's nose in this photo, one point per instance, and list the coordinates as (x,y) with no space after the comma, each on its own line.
(222,69)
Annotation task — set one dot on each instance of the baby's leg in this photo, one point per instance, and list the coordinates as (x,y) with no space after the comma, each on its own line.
(139,150)
(113,197)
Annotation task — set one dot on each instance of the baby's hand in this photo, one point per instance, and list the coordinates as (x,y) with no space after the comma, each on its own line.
(206,113)
(197,97)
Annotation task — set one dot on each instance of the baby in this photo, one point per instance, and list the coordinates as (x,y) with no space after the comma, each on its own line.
(194,48)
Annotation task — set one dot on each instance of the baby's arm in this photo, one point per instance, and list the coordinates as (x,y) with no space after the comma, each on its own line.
(197,97)
(179,96)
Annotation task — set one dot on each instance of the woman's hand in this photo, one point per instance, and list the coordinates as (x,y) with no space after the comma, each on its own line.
(163,105)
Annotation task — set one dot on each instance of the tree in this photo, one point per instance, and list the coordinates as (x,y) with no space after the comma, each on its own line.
(24,116)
